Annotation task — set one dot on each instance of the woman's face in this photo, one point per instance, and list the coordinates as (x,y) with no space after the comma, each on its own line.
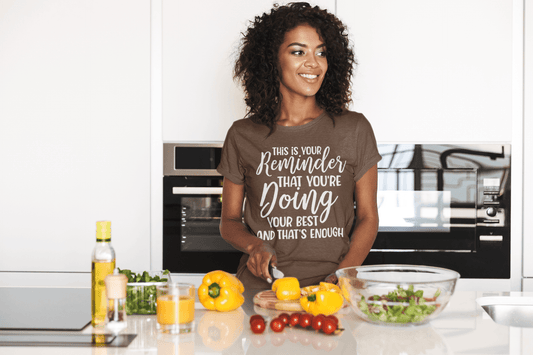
(302,61)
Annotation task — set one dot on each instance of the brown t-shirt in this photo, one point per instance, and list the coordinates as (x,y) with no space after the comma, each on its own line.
(299,184)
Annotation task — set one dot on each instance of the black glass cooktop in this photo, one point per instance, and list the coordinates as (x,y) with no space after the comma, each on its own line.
(44,308)
(66,340)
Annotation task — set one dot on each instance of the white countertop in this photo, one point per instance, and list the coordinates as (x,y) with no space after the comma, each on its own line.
(463,327)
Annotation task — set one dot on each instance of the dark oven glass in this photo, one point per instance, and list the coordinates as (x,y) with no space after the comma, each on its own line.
(196,157)
(191,219)
(427,209)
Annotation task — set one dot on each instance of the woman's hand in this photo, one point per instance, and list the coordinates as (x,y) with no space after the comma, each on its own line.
(236,233)
(261,255)
(332,278)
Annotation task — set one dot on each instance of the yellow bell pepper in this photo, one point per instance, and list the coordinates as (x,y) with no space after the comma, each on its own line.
(324,286)
(322,302)
(309,290)
(221,291)
(287,288)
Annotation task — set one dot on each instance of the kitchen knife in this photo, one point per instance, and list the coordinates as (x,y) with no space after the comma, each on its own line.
(275,273)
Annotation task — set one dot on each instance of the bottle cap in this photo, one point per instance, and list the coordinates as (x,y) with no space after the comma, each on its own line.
(103,230)
(115,285)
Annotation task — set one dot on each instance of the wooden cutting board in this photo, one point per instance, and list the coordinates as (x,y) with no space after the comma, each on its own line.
(268,300)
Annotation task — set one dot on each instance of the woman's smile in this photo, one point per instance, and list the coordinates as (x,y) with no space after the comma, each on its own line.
(309,76)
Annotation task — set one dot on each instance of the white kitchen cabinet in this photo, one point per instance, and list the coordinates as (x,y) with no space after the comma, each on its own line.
(200,42)
(74,134)
(528,147)
(433,71)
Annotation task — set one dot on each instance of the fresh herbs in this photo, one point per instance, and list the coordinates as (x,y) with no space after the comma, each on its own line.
(399,306)
(141,299)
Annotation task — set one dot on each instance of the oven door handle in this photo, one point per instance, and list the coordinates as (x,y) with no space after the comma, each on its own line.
(197,190)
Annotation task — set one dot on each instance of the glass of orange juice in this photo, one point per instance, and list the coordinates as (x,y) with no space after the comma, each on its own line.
(175,308)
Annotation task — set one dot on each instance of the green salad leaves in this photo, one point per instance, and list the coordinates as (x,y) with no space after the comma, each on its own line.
(141,299)
(398,306)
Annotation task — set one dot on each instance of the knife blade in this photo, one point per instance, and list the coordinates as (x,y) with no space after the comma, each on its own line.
(275,273)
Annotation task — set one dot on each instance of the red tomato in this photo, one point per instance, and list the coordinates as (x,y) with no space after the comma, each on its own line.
(284,318)
(277,325)
(333,318)
(329,326)
(294,319)
(305,320)
(317,322)
(258,326)
(256,316)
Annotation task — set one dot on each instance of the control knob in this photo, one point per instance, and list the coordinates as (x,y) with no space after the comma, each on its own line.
(491,211)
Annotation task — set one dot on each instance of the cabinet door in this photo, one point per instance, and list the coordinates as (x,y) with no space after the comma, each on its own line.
(200,43)
(75,132)
(433,70)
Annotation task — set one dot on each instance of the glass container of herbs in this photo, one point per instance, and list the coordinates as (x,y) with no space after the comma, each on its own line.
(141,290)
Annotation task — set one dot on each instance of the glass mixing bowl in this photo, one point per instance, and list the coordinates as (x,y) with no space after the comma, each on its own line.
(397,294)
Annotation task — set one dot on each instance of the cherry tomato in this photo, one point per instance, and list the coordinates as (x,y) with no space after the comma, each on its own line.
(333,318)
(284,318)
(256,316)
(329,326)
(277,325)
(258,326)
(294,319)
(317,322)
(305,320)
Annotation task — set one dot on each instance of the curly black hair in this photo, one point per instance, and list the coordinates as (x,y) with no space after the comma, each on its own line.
(257,64)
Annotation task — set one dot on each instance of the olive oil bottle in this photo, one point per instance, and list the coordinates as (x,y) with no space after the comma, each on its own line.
(103,264)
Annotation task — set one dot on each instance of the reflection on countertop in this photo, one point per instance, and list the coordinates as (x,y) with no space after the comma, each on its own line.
(463,327)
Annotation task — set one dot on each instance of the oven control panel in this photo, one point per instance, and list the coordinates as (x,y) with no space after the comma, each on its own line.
(492,214)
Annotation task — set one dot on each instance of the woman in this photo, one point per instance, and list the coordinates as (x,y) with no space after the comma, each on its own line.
(299,157)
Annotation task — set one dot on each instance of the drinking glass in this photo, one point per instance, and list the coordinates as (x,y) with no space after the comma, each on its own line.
(175,308)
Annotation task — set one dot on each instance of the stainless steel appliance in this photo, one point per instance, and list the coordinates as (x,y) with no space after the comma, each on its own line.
(192,201)
(445,205)
(439,204)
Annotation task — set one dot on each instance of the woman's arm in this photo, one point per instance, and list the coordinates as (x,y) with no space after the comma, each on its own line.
(367,221)
(235,232)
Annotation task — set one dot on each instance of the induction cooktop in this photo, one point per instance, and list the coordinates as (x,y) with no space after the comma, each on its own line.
(44,308)
(66,340)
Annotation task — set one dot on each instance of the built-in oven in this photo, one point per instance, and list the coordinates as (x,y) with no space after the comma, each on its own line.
(192,202)
(445,205)
(439,204)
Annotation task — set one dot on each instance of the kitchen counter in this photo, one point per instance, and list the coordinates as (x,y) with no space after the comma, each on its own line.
(463,327)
